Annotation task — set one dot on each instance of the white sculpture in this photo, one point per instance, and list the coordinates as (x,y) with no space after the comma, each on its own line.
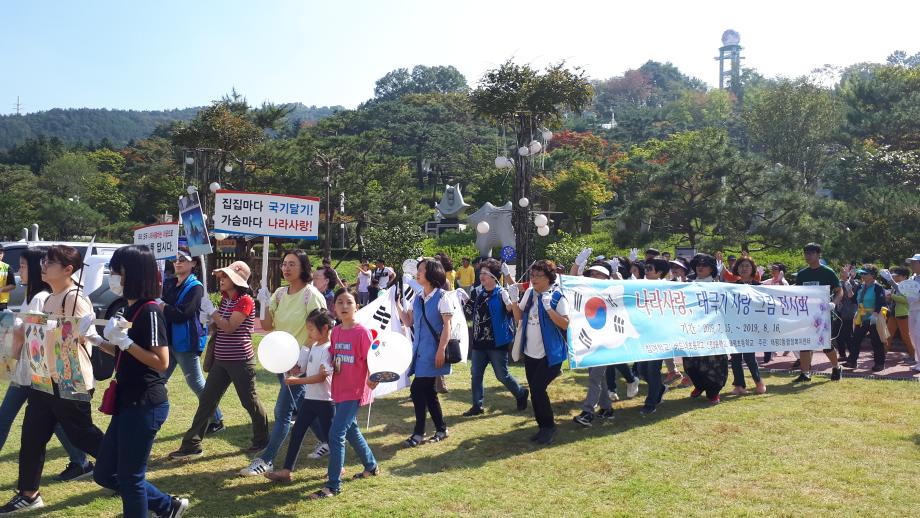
(499,232)
(451,205)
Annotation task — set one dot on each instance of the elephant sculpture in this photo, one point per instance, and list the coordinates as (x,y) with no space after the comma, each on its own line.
(501,232)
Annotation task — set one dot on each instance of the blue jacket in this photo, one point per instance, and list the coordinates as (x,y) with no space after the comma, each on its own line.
(185,332)
(554,342)
(502,320)
(424,343)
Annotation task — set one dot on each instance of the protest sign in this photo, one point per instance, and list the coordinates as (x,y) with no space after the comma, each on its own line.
(67,368)
(196,232)
(261,214)
(615,322)
(162,239)
(36,333)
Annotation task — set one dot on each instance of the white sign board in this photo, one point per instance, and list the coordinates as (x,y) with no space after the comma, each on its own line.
(162,239)
(260,214)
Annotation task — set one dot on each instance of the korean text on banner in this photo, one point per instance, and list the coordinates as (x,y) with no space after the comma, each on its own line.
(162,239)
(260,214)
(627,321)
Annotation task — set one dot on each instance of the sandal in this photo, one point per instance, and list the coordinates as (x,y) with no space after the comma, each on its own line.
(323,493)
(413,441)
(439,436)
(367,474)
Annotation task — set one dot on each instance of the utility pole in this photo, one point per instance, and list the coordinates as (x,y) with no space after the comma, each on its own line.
(18,106)
(329,164)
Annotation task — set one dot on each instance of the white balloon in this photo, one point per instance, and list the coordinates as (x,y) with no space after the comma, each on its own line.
(278,352)
(540,220)
(523,151)
(535,147)
(191,189)
(189,160)
(543,231)
(228,168)
(547,135)
(482,227)
(500,162)
(524,202)
(214,187)
(389,357)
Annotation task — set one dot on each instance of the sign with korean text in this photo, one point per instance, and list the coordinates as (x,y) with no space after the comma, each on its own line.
(162,239)
(260,214)
(613,322)
(196,231)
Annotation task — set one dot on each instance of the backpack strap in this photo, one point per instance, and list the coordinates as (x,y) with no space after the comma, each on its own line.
(188,287)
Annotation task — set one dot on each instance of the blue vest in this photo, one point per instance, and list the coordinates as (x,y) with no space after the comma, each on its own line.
(424,343)
(554,342)
(189,336)
(502,321)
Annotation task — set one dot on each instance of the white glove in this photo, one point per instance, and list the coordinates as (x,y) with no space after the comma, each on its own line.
(633,254)
(761,270)
(514,291)
(885,274)
(719,266)
(614,264)
(547,299)
(119,335)
(110,327)
(86,322)
(158,302)
(264,296)
(582,259)
(88,330)
(505,270)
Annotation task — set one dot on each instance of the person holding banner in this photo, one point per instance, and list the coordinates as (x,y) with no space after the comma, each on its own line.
(655,269)
(288,309)
(493,332)
(351,389)
(598,392)
(187,337)
(430,319)
(37,291)
(708,373)
(233,361)
(45,410)
(314,372)
(141,400)
(542,342)
(744,270)
(817,274)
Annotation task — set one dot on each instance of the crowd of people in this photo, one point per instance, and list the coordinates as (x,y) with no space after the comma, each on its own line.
(172,321)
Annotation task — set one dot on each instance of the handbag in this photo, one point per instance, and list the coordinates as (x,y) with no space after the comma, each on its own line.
(452,353)
(110,396)
(209,354)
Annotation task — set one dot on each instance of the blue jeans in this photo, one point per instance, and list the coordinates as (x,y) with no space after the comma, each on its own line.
(285,410)
(122,462)
(13,401)
(345,426)
(651,372)
(194,377)
(499,360)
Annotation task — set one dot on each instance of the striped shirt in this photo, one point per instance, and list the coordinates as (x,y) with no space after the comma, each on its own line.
(236,346)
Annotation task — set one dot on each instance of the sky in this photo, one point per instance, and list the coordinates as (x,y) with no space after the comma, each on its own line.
(164,54)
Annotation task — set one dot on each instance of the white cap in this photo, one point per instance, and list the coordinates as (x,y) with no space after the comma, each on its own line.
(916,257)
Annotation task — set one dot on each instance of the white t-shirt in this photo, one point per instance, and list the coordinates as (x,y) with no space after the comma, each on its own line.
(535,347)
(23,374)
(445,306)
(364,280)
(309,362)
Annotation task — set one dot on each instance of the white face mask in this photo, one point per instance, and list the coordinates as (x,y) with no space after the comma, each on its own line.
(115,285)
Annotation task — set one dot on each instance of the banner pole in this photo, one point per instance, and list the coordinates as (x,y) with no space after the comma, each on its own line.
(263,309)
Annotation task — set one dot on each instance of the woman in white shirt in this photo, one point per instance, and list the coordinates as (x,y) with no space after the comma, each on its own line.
(543,341)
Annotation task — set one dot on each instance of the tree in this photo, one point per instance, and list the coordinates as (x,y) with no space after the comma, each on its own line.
(793,122)
(20,199)
(577,191)
(69,218)
(883,105)
(521,98)
(422,80)
(394,243)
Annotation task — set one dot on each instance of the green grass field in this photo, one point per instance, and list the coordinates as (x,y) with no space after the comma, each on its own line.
(827,449)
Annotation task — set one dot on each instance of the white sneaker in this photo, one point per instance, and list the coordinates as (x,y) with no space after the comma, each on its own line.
(613,396)
(257,467)
(22,503)
(916,367)
(322,449)
(632,389)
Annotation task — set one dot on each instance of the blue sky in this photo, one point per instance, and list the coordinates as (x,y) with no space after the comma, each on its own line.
(174,54)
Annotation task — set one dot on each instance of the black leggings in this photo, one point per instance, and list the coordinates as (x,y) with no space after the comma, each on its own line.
(43,412)
(307,411)
(738,369)
(425,397)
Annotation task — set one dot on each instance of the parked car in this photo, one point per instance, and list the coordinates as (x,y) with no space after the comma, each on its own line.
(105,303)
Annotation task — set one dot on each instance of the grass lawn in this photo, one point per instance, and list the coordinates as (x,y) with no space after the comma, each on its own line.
(828,449)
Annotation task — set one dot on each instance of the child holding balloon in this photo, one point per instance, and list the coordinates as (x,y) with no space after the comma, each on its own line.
(351,389)
(313,370)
